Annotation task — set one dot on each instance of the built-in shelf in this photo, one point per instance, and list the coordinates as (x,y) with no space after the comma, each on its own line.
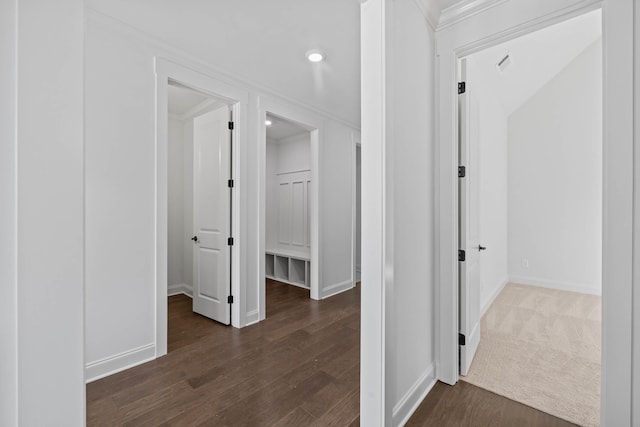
(288,267)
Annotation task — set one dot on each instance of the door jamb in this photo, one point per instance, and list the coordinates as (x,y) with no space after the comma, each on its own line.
(356,144)
(166,70)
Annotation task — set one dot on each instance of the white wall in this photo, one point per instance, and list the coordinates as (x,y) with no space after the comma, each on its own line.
(271,191)
(411,336)
(555,180)
(49,232)
(187,196)
(492,139)
(175,188)
(336,164)
(294,154)
(8,255)
(120,246)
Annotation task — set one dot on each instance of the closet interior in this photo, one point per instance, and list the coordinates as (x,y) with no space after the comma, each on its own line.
(288,184)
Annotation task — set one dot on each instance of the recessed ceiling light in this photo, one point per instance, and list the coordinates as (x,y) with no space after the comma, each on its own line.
(315,55)
(268,122)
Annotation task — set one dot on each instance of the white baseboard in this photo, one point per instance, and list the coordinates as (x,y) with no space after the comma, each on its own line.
(492,297)
(253,317)
(119,362)
(403,410)
(181,288)
(552,284)
(336,289)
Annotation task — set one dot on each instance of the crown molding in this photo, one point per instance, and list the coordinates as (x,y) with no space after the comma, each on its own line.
(463,10)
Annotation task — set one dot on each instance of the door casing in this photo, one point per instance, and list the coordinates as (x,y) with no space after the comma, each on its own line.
(238,101)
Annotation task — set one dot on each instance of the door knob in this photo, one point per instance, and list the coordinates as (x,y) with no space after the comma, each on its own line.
(195,239)
(482,248)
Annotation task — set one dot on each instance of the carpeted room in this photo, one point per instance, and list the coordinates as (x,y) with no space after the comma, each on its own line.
(536,120)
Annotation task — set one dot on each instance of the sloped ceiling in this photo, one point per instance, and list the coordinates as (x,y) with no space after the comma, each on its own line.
(263,42)
(536,58)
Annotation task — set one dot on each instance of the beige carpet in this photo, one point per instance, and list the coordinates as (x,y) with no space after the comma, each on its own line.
(541,347)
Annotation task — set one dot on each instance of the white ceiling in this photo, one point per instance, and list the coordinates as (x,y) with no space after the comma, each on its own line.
(536,58)
(263,42)
(281,128)
(185,103)
(181,100)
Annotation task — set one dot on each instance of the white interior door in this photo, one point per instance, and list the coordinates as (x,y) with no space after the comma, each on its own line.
(211,215)
(469,223)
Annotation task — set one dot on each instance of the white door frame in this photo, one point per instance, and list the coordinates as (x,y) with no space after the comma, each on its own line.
(508,20)
(313,124)
(356,142)
(238,100)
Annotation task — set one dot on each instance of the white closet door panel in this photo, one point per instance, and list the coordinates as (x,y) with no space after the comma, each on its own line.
(298,202)
(210,274)
(284,213)
(211,145)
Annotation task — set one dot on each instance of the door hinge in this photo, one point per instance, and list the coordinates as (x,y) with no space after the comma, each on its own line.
(462,255)
(461,339)
(230,125)
(230,241)
(230,183)
(462,87)
(230,299)
(462,171)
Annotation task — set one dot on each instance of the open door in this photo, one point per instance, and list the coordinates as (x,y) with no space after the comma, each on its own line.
(469,225)
(211,215)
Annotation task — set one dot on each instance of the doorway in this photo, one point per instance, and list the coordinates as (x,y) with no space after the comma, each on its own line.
(217,107)
(199,199)
(288,186)
(290,202)
(530,249)
(278,264)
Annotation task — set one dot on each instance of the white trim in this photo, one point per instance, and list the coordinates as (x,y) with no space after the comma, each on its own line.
(507,21)
(376,29)
(356,143)
(181,288)
(253,317)
(463,10)
(413,398)
(337,288)
(292,172)
(119,362)
(492,298)
(555,284)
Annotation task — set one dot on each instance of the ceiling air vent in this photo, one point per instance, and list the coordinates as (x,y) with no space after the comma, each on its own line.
(504,63)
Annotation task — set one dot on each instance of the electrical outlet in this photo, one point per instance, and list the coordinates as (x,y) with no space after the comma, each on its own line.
(525,263)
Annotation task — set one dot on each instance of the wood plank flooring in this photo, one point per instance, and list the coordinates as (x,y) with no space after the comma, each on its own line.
(467,405)
(300,367)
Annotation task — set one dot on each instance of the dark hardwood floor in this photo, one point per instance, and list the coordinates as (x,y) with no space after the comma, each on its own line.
(300,367)
(467,405)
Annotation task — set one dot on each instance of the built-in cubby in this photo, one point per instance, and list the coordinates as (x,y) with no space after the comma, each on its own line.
(288,267)
(269,269)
